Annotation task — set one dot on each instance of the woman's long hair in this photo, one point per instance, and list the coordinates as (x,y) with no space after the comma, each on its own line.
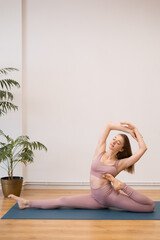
(126,153)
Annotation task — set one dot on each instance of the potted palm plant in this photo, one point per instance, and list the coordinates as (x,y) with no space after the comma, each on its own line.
(6,97)
(12,152)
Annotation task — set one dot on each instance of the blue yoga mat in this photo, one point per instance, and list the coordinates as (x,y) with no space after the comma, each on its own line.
(76,213)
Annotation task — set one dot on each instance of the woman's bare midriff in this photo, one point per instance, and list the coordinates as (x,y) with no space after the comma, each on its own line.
(96,182)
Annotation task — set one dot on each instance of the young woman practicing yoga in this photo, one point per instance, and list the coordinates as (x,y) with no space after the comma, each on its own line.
(105,188)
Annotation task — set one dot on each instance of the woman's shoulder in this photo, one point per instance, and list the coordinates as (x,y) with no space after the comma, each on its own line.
(98,155)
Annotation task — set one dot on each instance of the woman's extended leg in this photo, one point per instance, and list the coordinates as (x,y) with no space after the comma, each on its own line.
(77,201)
(133,201)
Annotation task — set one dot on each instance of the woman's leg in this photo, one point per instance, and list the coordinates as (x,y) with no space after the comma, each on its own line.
(137,196)
(77,201)
(119,200)
(133,201)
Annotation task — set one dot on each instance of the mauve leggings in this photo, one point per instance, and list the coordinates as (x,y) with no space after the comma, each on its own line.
(103,197)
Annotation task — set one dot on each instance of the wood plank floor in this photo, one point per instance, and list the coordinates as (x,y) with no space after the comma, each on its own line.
(75,229)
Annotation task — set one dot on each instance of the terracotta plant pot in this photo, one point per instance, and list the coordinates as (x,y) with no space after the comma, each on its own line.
(13,186)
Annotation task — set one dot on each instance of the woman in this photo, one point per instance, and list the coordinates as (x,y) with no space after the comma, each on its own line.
(105,188)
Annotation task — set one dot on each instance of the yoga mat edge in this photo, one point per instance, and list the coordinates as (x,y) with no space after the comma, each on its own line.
(81,214)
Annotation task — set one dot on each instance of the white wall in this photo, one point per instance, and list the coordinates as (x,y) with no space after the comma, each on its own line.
(86,63)
(11,56)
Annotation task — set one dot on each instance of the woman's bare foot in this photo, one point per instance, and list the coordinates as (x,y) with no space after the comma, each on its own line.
(22,203)
(118,185)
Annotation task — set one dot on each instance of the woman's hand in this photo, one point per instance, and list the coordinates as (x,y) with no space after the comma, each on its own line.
(130,126)
(133,134)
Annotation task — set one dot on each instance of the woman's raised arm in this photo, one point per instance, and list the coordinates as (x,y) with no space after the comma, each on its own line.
(119,127)
(127,162)
(136,134)
(101,146)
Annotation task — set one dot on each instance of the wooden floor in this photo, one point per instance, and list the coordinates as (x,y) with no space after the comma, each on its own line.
(75,229)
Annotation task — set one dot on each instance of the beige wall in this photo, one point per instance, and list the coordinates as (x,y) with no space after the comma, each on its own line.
(86,63)
(11,56)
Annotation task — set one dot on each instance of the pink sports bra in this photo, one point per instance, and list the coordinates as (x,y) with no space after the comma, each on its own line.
(99,168)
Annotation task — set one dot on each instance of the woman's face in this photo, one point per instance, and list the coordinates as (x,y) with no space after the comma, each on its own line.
(117,143)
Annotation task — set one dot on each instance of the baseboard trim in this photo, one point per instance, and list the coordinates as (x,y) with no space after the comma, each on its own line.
(84,185)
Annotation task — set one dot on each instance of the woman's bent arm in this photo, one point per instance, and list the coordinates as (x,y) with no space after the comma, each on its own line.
(111,126)
(127,162)
(115,126)
(140,140)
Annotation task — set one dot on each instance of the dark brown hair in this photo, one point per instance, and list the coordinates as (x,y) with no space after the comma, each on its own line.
(126,153)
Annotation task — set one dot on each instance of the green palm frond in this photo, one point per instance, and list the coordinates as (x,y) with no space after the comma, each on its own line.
(40,146)
(26,156)
(2,144)
(5,152)
(5,106)
(9,139)
(6,70)
(21,139)
(2,133)
(8,83)
(18,150)
(37,145)
(6,95)
(25,144)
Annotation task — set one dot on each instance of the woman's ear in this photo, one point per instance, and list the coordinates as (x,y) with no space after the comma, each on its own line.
(122,150)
